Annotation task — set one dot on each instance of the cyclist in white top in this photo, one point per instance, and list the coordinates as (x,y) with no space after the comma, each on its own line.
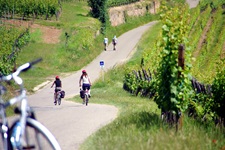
(86,82)
(105,42)
(114,42)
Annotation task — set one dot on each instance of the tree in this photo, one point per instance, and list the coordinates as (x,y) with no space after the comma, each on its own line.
(98,9)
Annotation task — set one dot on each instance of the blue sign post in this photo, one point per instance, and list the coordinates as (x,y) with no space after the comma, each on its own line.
(102,66)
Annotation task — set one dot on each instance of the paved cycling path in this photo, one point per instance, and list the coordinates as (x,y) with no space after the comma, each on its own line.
(72,122)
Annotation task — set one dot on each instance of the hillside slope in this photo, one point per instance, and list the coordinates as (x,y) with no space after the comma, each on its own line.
(207,38)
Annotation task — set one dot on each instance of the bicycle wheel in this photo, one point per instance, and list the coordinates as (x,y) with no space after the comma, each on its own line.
(59,100)
(55,102)
(86,99)
(36,137)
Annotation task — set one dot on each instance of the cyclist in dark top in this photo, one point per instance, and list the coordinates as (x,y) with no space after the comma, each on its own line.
(58,86)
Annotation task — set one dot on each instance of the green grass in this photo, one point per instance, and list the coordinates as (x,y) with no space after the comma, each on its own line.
(73,13)
(138,125)
(140,128)
(147,49)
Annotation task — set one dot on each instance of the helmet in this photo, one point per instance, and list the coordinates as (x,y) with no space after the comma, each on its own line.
(57,77)
(83,71)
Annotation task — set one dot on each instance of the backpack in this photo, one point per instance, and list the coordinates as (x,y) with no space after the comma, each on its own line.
(114,41)
(62,94)
(82,94)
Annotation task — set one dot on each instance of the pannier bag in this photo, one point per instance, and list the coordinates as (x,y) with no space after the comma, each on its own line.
(82,94)
(62,94)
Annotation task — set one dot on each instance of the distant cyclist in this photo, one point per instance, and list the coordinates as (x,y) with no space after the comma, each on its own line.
(114,42)
(58,86)
(105,43)
(85,82)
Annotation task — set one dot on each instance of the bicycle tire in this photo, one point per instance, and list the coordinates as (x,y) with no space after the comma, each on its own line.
(59,101)
(86,99)
(36,136)
(55,102)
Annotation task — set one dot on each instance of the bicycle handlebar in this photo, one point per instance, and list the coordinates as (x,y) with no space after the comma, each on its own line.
(18,80)
(21,68)
(31,64)
(36,61)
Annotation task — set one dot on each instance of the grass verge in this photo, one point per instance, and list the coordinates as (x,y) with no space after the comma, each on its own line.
(138,125)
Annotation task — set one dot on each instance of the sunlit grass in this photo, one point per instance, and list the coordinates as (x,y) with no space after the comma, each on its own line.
(138,125)
(74,13)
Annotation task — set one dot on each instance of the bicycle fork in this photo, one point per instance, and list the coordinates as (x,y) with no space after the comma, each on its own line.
(19,129)
(4,128)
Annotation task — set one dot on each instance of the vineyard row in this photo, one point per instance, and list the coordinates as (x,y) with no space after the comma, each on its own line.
(28,8)
(113,3)
(138,82)
(13,40)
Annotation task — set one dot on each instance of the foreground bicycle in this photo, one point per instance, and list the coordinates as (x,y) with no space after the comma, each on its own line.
(26,132)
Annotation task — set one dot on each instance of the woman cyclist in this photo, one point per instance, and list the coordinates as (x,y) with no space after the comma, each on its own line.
(86,82)
(58,86)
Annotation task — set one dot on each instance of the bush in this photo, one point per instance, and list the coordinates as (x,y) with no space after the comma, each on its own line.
(98,9)
(218,88)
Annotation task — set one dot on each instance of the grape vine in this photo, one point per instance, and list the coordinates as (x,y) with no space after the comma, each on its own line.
(173,91)
(113,3)
(12,40)
(28,8)
(218,87)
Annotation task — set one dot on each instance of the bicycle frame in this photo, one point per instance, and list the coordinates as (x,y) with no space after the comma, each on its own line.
(25,111)
(4,126)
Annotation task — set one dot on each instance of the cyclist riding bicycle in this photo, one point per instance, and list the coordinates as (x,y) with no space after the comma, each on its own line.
(86,82)
(58,86)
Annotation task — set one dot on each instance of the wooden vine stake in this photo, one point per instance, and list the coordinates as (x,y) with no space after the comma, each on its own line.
(181,50)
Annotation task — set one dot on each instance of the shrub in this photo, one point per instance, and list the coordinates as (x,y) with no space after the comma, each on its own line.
(218,88)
